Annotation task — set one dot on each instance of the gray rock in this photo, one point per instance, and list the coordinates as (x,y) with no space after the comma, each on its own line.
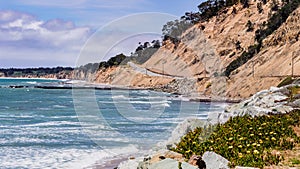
(214,161)
(182,129)
(238,167)
(274,100)
(170,164)
(129,164)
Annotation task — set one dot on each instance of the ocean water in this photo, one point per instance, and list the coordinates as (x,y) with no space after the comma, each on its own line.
(63,128)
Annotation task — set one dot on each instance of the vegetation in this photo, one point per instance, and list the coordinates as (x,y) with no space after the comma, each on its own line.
(113,61)
(288,80)
(172,30)
(17,72)
(249,26)
(245,141)
(246,55)
(144,51)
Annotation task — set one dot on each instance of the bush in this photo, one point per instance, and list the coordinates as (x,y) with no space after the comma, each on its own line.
(288,80)
(245,141)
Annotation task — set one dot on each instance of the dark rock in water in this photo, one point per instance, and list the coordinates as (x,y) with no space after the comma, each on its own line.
(16,87)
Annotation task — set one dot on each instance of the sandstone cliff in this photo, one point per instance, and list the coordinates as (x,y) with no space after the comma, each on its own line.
(208,47)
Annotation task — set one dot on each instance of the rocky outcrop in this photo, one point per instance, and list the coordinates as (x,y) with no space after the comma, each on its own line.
(182,129)
(171,164)
(207,48)
(214,161)
(272,101)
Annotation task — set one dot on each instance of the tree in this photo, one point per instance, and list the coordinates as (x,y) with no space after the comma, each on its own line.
(249,26)
(174,29)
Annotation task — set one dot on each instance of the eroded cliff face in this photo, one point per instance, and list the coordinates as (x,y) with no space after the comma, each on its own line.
(274,61)
(208,47)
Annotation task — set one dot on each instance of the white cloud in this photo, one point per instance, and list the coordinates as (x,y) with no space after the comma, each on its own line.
(27,37)
(107,4)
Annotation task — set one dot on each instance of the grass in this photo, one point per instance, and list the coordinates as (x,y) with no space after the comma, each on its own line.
(245,141)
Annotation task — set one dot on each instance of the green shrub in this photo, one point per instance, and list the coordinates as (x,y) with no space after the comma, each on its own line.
(245,141)
(288,80)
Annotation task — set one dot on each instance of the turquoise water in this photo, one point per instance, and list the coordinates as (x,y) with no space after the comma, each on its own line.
(42,128)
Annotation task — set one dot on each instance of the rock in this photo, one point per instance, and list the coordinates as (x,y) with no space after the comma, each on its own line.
(171,164)
(214,161)
(214,117)
(129,164)
(197,161)
(182,129)
(159,156)
(193,160)
(274,100)
(296,103)
(238,167)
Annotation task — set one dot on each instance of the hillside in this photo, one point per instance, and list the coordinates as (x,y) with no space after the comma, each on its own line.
(235,54)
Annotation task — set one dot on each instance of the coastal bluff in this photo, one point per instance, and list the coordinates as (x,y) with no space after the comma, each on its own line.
(264,103)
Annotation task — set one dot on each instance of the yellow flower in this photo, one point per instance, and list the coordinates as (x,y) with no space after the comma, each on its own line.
(256,152)
(259,134)
(240,146)
(260,141)
(271,132)
(251,135)
(241,138)
(258,145)
(260,128)
(230,147)
(248,152)
(230,139)
(250,128)
(267,138)
(240,155)
(248,145)
(273,138)
(254,144)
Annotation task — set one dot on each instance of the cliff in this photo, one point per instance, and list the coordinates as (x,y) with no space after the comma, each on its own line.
(209,47)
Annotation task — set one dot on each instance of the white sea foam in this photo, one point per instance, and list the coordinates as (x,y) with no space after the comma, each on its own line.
(31,82)
(67,158)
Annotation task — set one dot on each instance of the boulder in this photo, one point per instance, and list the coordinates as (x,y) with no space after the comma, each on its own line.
(171,164)
(197,161)
(129,164)
(182,129)
(214,161)
(238,167)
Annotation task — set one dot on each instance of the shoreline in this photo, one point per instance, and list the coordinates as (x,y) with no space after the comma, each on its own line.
(100,86)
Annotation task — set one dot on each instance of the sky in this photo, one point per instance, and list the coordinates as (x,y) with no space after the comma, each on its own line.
(50,33)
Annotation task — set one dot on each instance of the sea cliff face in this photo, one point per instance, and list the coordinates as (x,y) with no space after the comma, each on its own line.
(208,48)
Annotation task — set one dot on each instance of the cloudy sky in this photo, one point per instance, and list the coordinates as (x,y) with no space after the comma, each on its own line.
(47,33)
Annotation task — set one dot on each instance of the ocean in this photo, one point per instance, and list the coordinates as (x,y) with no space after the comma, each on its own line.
(84,128)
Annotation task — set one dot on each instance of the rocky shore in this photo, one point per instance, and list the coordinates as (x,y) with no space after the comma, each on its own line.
(273,101)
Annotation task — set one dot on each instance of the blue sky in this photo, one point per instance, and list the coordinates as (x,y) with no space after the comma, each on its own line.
(50,33)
